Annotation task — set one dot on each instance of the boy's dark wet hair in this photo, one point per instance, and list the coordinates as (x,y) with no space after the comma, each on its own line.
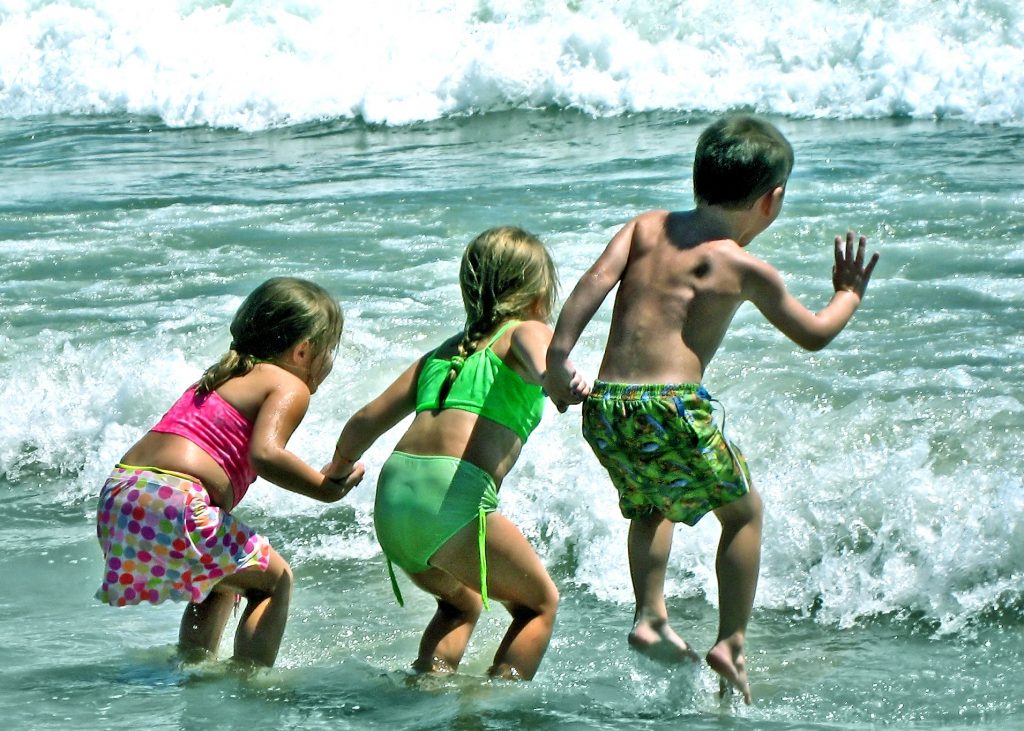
(739,158)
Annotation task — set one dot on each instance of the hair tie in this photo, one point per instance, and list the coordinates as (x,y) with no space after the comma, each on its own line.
(457,362)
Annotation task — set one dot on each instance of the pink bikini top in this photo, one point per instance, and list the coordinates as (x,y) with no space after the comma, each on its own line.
(216,427)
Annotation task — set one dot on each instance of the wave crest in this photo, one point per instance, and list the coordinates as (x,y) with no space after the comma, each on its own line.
(260,64)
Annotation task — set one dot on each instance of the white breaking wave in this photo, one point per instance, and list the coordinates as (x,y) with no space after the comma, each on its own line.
(254,64)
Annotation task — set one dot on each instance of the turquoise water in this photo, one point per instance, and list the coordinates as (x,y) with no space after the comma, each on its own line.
(159,162)
(891,587)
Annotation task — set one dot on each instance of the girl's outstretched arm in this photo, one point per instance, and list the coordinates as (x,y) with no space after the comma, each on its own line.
(530,341)
(279,416)
(365,426)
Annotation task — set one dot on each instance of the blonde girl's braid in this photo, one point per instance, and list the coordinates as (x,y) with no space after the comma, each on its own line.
(478,324)
(505,273)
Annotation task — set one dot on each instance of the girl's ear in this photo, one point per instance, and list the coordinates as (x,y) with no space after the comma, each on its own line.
(302,352)
(537,308)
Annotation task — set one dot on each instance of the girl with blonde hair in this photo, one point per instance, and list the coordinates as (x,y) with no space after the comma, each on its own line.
(476,397)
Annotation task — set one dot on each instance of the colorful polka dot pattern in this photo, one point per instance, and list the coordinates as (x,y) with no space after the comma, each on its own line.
(163,539)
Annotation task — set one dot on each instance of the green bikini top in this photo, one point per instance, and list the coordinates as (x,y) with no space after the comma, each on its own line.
(483,385)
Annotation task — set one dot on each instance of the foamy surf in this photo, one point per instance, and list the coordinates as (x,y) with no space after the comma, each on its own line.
(258,64)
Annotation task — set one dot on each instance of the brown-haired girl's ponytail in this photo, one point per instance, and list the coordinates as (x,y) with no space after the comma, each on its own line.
(230,365)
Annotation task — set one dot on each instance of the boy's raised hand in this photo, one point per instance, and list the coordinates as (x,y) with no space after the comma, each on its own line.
(849,272)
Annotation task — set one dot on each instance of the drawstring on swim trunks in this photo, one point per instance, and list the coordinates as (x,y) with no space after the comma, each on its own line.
(728,444)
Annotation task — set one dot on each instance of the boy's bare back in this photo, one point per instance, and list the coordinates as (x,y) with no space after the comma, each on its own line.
(681,278)
(683,275)
(679,288)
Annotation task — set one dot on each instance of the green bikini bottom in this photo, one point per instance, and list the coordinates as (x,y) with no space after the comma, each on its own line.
(422,501)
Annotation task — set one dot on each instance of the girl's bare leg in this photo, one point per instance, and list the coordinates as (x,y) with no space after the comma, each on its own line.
(517,578)
(737,566)
(202,626)
(458,608)
(268,594)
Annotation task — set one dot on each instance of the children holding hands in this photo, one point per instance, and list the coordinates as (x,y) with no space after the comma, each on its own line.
(164,518)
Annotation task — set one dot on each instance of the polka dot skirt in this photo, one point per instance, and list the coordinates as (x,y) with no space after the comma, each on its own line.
(163,539)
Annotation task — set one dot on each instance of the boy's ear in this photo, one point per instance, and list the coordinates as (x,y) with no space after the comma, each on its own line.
(771,202)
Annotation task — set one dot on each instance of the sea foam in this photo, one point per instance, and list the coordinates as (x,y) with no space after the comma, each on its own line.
(254,64)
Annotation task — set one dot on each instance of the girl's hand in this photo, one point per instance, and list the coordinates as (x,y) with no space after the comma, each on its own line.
(565,385)
(339,480)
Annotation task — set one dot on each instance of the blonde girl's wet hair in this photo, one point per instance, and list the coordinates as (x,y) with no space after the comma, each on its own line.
(278,314)
(506,272)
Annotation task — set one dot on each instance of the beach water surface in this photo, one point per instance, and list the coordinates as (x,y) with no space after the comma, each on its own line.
(892,584)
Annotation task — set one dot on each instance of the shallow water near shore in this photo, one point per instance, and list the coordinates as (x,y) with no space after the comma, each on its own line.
(891,589)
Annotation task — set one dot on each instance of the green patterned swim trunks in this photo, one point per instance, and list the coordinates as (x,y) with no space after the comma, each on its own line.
(663,451)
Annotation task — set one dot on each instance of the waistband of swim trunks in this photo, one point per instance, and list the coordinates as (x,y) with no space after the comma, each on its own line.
(640,391)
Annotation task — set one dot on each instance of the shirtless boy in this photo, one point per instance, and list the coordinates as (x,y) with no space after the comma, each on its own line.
(681,277)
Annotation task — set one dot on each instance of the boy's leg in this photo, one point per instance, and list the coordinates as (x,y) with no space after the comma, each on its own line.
(202,626)
(458,608)
(517,578)
(737,566)
(268,594)
(650,543)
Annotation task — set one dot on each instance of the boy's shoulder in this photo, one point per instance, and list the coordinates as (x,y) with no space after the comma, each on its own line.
(686,230)
(653,217)
(651,227)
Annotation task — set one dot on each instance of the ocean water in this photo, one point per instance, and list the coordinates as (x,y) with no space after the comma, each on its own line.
(159,160)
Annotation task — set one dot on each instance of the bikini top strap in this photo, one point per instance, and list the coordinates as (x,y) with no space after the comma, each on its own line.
(501,331)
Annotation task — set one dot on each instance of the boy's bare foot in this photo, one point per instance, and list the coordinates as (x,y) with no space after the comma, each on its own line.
(726,658)
(660,642)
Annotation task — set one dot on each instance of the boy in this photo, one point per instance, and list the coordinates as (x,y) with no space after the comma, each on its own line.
(681,277)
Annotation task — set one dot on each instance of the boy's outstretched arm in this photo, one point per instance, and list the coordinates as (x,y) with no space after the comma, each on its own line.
(764,287)
(561,381)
